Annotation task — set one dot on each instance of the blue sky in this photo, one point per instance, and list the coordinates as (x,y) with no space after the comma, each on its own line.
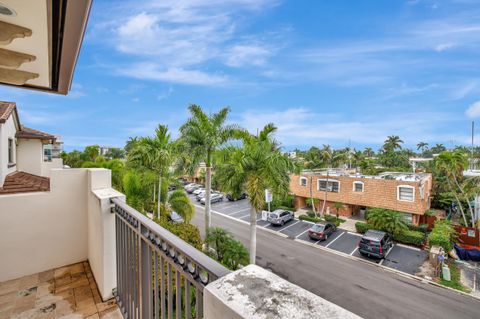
(326,72)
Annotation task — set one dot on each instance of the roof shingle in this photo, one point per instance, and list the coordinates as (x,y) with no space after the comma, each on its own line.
(6,108)
(21,182)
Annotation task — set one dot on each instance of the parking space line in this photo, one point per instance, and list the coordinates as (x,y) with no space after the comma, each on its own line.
(353,252)
(246,216)
(385,257)
(355,234)
(409,247)
(290,225)
(238,211)
(302,233)
(334,239)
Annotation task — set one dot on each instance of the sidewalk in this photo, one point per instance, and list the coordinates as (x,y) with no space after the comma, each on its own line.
(348,225)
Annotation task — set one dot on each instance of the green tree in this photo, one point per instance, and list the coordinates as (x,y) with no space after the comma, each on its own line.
(179,202)
(115,152)
(116,166)
(368,152)
(338,206)
(256,166)
(387,220)
(392,143)
(228,251)
(452,164)
(156,154)
(422,146)
(92,152)
(203,134)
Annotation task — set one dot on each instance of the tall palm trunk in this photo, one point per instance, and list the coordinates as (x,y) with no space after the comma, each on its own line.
(325,198)
(458,201)
(253,235)
(159,195)
(470,208)
(208,188)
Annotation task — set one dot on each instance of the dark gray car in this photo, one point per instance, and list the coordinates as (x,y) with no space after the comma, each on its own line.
(279,217)
(375,243)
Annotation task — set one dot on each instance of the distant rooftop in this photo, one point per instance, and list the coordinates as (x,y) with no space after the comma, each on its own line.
(399,176)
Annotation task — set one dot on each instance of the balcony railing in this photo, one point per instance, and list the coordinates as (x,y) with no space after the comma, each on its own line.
(158,274)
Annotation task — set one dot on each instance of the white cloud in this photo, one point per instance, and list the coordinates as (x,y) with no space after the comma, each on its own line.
(241,55)
(302,126)
(473,111)
(444,46)
(154,71)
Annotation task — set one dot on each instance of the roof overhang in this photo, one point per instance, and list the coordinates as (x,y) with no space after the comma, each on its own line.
(40,42)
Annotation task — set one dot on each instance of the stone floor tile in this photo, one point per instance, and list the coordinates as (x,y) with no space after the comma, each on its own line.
(111,314)
(95,316)
(62,281)
(46,276)
(29,281)
(77,268)
(9,286)
(109,304)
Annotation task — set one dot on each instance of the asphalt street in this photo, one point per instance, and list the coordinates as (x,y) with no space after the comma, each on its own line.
(363,288)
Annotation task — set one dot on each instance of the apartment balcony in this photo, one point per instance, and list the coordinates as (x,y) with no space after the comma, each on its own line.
(79,251)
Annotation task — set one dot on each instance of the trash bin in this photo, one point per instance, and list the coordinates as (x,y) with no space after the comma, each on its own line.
(445,272)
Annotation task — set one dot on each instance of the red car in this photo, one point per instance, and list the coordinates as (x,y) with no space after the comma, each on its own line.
(321,231)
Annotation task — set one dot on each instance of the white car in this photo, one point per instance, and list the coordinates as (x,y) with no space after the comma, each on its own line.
(198,191)
(216,197)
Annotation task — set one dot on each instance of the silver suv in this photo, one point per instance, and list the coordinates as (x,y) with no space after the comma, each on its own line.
(279,217)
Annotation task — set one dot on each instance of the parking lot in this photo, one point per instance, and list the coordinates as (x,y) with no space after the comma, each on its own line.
(400,257)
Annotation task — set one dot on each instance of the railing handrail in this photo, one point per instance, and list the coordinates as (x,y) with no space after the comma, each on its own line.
(206,262)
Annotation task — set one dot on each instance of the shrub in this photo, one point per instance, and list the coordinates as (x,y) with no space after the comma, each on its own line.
(421,228)
(361,227)
(410,237)
(311,214)
(309,219)
(443,234)
(228,251)
(286,208)
(333,219)
(390,221)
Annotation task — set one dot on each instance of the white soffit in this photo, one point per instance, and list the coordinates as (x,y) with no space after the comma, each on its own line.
(31,14)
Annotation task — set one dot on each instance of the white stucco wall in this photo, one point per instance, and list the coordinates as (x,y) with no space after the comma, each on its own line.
(54,164)
(30,156)
(7,130)
(70,223)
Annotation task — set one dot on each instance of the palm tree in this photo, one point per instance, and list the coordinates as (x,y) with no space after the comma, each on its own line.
(179,202)
(256,166)
(392,143)
(155,154)
(368,152)
(337,207)
(452,164)
(204,134)
(390,221)
(422,146)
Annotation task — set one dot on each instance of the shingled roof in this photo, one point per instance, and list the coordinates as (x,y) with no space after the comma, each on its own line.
(22,182)
(26,132)
(6,109)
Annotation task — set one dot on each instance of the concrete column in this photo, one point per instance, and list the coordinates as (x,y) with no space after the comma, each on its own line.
(101,231)
(253,292)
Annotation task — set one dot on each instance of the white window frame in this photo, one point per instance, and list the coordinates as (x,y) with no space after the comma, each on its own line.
(406,186)
(327,180)
(302,178)
(358,182)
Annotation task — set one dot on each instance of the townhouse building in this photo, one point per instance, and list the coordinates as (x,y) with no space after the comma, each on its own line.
(408,193)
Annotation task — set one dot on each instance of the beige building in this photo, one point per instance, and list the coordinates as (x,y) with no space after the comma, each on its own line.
(23,166)
(405,192)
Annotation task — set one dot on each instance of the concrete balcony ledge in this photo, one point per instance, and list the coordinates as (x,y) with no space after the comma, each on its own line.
(253,292)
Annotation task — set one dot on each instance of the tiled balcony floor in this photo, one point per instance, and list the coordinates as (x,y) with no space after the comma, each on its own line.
(66,292)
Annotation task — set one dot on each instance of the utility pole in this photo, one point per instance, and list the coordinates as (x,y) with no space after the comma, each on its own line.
(472,165)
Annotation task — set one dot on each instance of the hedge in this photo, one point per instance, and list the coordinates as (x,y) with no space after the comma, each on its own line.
(421,228)
(333,219)
(310,219)
(411,237)
(407,237)
(361,227)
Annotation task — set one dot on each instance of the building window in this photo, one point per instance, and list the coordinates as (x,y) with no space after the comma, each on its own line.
(358,187)
(47,152)
(406,193)
(330,185)
(303,181)
(10,151)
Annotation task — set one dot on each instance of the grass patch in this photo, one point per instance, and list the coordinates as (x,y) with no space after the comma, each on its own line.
(455,282)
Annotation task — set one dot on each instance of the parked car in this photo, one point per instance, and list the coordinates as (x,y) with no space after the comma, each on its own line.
(232,199)
(280,217)
(375,243)
(321,231)
(201,195)
(192,187)
(175,218)
(215,197)
(198,191)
